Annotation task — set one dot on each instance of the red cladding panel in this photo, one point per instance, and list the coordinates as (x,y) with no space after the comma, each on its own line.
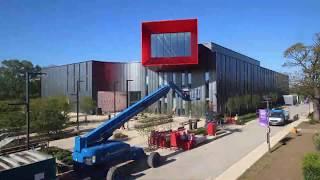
(171,26)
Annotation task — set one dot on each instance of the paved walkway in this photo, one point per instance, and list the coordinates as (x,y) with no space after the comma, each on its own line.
(212,159)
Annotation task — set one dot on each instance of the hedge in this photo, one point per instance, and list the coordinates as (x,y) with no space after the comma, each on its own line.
(311,166)
(316,141)
(62,155)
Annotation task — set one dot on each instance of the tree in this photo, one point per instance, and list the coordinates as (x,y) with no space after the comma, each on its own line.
(307,59)
(237,102)
(246,101)
(87,104)
(256,101)
(274,97)
(12,79)
(11,117)
(49,115)
(231,105)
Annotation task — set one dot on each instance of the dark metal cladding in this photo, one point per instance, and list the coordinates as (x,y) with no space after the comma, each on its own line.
(220,73)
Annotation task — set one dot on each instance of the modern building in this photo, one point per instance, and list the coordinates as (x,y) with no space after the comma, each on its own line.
(170,52)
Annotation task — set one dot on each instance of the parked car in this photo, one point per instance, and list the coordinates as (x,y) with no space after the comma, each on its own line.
(278,117)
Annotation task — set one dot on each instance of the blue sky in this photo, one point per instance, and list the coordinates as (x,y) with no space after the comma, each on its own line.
(49,32)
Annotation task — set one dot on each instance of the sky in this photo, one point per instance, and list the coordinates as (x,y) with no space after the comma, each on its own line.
(56,32)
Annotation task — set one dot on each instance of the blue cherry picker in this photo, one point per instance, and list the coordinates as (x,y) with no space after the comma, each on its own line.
(94,149)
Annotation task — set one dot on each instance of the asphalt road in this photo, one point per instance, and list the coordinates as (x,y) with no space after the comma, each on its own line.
(212,159)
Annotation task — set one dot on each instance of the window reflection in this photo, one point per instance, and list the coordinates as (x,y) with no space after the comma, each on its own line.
(171,44)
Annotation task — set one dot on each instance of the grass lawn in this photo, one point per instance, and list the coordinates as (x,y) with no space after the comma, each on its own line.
(285,161)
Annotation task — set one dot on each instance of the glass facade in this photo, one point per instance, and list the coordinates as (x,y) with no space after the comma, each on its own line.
(171,44)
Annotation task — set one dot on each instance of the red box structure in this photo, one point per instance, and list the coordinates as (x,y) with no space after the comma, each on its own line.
(169,26)
(172,139)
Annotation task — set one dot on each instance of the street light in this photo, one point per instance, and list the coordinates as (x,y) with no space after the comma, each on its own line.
(127,90)
(127,93)
(77,96)
(27,103)
(267,99)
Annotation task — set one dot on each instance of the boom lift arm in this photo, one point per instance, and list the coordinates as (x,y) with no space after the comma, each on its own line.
(97,139)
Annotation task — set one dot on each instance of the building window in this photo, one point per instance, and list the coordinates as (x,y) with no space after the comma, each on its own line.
(198,94)
(189,78)
(206,76)
(160,79)
(171,44)
(165,78)
(183,77)
(147,80)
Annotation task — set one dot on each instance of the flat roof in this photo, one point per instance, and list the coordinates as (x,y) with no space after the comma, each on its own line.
(22,158)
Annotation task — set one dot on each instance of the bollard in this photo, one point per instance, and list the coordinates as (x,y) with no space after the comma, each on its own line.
(195,124)
(190,124)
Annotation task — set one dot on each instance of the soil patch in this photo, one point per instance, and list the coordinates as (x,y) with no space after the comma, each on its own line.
(285,161)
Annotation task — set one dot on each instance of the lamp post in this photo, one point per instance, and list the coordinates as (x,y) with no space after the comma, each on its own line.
(27,103)
(127,93)
(77,94)
(267,99)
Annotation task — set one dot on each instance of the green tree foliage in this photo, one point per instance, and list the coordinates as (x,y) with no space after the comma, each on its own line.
(238,103)
(274,97)
(256,101)
(11,117)
(49,115)
(307,59)
(246,102)
(231,105)
(12,79)
(87,104)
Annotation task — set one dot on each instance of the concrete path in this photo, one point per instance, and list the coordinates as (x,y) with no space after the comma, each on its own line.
(212,159)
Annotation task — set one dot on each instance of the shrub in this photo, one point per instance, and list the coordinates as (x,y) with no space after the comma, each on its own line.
(11,117)
(62,155)
(316,140)
(119,135)
(237,102)
(247,117)
(311,166)
(87,104)
(256,101)
(246,101)
(49,115)
(231,106)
